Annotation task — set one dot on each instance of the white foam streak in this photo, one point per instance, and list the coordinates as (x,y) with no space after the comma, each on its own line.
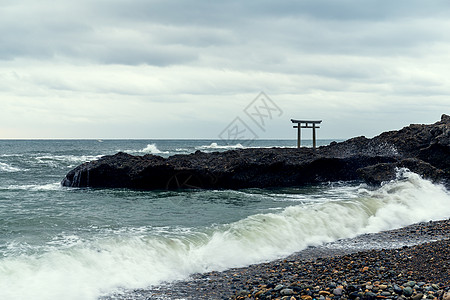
(4,167)
(36,187)
(52,160)
(214,146)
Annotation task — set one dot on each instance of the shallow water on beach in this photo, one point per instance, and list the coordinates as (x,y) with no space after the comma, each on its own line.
(70,243)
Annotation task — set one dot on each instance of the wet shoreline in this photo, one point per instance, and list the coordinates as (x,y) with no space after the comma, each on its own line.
(416,253)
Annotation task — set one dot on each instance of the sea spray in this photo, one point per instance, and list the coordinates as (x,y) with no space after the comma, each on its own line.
(407,200)
(149,149)
(108,261)
(153,149)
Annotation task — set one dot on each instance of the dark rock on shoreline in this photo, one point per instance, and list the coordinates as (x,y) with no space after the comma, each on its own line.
(424,149)
(376,174)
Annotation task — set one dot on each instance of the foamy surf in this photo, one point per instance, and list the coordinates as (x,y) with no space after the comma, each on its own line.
(153,149)
(52,159)
(86,268)
(149,149)
(215,146)
(37,187)
(4,167)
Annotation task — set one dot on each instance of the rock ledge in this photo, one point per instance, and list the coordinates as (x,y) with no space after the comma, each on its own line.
(424,149)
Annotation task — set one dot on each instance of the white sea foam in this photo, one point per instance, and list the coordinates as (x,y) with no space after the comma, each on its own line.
(54,160)
(11,155)
(214,146)
(152,149)
(144,257)
(36,187)
(4,167)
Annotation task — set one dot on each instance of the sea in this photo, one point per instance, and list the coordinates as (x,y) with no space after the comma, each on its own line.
(85,243)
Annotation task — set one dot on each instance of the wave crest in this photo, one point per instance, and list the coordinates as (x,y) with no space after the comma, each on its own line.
(152,149)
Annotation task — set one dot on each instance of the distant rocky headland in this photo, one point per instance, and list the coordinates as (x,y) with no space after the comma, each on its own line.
(423,149)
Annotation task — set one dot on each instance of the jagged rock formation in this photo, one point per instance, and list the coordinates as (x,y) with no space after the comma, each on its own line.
(424,149)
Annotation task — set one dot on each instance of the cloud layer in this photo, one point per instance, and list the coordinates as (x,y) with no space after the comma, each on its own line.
(145,69)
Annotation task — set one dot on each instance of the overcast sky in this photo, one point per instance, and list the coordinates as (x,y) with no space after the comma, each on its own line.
(188,69)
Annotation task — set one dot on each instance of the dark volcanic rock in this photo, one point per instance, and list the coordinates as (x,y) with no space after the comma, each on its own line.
(376,174)
(424,149)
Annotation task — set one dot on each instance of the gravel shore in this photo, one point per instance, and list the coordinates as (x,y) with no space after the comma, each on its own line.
(407,263)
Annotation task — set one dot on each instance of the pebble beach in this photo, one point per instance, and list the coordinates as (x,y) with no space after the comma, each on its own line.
(407,263)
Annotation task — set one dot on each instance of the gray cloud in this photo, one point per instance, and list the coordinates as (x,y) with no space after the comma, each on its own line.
(173,58)
(176,32)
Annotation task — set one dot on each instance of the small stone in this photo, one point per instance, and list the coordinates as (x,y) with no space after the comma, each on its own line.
(287,292)
(417,296)
(410,283)
(407,291)
(259,293)
(397,289)
(435,286)
(278,287)
(382,286)
(337,292)
(386,294)
(306,297)
(324,293)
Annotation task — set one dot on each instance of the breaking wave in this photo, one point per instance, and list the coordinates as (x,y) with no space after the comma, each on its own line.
(152,149)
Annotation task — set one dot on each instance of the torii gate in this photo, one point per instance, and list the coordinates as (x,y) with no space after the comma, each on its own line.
(306,124)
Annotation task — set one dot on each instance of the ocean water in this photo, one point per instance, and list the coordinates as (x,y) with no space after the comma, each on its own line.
(68,243)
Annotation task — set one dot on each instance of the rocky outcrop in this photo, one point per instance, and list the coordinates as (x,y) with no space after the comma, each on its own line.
(424,149)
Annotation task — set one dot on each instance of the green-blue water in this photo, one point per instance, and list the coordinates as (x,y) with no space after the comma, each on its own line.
(62,243)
